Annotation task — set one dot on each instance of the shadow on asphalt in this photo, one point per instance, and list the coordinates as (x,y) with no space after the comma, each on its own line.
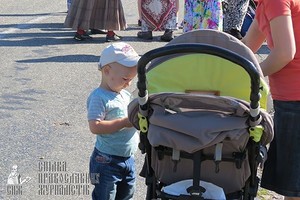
(53,34)
(30,15)
(64,59)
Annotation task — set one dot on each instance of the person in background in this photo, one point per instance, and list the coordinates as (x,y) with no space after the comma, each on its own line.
(112,165)
(206,14)
(97,15)
(140,12)
(158,15)
(69,4)
(277,22)
(234,15)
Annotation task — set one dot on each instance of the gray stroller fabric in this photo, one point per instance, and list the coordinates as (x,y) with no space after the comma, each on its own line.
(181,125)
(189,123)
(192,122)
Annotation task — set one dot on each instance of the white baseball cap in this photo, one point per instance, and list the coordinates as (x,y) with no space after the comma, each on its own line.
(119,52)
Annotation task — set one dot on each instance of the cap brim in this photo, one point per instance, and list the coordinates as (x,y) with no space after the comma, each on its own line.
(129,61)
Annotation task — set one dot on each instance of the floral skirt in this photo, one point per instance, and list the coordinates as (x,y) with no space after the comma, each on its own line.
(206,14)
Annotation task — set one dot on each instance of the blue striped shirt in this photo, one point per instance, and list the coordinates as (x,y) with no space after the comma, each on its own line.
(107,105)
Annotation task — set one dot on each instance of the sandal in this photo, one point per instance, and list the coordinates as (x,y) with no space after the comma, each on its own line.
(236,33)
(98,31)
(113,38)
(146,35)
(167,36)
(81,37)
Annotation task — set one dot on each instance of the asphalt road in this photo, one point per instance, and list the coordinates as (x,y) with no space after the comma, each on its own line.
(46,77)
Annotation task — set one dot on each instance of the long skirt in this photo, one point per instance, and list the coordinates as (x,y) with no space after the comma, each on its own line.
(281,172)
(206,14)
(97,14)
(69,2)
(158,15)
(235,14)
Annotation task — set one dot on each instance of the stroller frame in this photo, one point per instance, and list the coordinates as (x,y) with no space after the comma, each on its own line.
(250,189)
(254,144)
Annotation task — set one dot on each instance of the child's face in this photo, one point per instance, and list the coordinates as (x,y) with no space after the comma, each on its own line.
(119,77)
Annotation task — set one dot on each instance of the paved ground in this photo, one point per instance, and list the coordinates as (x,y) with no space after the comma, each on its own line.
(45,79)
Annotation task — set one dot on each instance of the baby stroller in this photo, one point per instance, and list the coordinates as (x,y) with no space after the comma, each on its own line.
(202,118)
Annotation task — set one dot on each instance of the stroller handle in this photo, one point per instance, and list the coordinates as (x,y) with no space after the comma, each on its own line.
(199,48)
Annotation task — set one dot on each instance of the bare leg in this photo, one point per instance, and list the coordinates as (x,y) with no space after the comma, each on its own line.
(291,198)
(177,5)
(140,9)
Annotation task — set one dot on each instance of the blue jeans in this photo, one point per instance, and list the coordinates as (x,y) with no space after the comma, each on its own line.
(112,176)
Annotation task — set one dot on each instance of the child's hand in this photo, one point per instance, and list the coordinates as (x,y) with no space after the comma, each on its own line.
(127,123)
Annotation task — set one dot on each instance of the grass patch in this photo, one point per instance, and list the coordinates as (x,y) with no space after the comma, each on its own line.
(262,194)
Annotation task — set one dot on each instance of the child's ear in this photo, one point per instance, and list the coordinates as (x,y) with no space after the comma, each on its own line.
(106,69)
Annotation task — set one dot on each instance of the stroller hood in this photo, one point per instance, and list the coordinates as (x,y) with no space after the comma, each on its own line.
(182,72)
